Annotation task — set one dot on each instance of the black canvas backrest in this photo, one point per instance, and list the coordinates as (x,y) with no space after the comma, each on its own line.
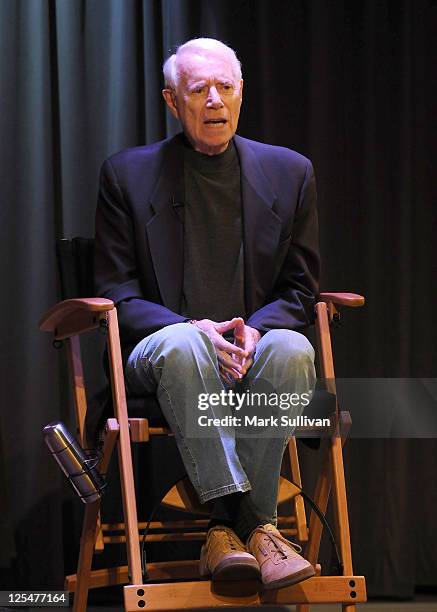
(76,267)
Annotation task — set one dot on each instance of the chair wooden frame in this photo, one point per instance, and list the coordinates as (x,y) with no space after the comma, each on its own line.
(67,320)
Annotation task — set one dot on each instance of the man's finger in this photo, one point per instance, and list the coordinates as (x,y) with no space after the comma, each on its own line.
(240,360)
(227,362)
(223,345)
(225,326)
(226,377)
(246,366)
(230,374)
(239,334)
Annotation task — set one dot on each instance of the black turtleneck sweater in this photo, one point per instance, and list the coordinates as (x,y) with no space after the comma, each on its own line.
(213,239)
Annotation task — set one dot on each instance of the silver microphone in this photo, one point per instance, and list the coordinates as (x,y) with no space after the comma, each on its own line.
(79,469)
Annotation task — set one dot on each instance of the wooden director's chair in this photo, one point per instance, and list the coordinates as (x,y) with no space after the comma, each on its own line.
(175,585)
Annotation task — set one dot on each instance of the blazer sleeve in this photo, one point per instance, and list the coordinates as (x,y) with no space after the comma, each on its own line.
(291,303)
(116,271)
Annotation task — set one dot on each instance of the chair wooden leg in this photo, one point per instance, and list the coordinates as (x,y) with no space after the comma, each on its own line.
(100,545)
(323,487)
(87,542)
(340,505)
(335,455)
(299,506)
(321,498)
(124,450)
(303,608)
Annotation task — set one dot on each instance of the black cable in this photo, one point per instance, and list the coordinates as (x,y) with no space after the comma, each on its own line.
(338,565)
(143,541)
(95,457)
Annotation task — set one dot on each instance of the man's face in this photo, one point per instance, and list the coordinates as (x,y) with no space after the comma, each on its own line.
(207,100)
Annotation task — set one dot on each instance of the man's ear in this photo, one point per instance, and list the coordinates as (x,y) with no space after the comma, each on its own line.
(170,98)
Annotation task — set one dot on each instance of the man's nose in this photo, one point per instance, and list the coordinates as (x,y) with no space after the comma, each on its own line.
(214,100)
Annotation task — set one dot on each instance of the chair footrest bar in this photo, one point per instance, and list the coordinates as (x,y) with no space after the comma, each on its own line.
(109,576)
(159,570)
(179,525)
(205,594)
(161,537)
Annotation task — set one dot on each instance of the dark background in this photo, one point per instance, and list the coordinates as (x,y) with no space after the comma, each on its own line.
(352,85)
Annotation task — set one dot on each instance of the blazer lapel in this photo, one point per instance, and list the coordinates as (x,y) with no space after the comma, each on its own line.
(261,227)
(165,230)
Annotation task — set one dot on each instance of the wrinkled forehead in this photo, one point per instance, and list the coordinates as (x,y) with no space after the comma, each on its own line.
(193,66)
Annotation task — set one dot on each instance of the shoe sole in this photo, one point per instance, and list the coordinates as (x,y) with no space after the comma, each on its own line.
(231,570)
(304,574)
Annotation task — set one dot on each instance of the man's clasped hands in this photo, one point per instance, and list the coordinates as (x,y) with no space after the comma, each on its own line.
(236,358)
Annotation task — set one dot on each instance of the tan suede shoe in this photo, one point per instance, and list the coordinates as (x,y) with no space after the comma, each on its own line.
(279,559)
(225,557)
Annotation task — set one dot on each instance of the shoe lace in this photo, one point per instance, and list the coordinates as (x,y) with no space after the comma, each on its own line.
(278,550)
(232,542)
(230,539)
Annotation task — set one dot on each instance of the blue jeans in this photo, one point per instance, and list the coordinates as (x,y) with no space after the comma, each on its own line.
(179,363)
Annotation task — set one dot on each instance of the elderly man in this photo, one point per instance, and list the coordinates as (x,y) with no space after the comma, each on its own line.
(207,243)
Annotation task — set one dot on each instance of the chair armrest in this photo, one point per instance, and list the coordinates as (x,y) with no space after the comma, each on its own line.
(343,299)
(74,316)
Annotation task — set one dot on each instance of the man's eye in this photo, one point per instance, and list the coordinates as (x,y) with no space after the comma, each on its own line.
(226,88)
(198,90)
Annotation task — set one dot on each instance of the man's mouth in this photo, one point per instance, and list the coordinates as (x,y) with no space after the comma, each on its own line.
(216,121)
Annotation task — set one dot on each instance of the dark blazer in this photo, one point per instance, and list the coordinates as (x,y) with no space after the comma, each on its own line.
(139,237)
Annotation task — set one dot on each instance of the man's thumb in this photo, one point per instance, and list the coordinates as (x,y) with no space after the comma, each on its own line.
(225,326)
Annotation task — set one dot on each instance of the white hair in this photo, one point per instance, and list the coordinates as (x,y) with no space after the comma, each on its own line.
(201,46)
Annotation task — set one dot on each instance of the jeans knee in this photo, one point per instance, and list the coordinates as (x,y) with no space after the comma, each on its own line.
(288,345)
(181,345)
(180,340)
(181,350)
